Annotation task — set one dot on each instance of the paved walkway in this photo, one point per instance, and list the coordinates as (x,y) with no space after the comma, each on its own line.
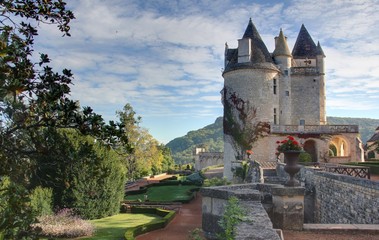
(186,220)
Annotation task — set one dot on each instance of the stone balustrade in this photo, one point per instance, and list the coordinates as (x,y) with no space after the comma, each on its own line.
(314,129)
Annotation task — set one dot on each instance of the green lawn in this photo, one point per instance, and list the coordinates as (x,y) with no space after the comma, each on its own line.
(171,193)
(114,227)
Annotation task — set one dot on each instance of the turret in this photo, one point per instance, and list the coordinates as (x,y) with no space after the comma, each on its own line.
(282,54)
(283,58)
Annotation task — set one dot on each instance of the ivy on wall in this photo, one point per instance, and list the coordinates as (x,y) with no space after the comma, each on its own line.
(241,123)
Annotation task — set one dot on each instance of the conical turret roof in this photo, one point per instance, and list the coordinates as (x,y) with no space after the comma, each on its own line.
(281,46)
(319,50)
(260,54)
(304,46)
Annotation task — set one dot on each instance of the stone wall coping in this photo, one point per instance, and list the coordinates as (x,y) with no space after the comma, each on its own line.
(349,179)
(241,191)
(288,191)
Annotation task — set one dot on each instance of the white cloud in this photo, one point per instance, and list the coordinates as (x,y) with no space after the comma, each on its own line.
(165,57)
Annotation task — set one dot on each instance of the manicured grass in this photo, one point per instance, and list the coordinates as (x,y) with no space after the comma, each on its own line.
(114,227)
(171,193)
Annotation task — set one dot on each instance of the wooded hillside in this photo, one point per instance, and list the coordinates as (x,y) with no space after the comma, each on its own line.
(211,137)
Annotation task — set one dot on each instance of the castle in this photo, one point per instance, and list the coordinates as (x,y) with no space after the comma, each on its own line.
(267,96)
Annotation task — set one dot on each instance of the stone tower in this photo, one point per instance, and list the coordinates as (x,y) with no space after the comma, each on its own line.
(269,95)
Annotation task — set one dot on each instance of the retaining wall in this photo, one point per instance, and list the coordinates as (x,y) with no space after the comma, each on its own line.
(338,199)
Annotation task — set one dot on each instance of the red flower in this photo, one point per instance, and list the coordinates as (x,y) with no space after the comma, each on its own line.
(288,144)
(249,152)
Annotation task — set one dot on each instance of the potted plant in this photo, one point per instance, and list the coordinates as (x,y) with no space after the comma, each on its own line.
(291,150)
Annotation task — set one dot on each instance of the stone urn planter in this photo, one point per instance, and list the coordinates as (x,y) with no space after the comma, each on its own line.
(291,158)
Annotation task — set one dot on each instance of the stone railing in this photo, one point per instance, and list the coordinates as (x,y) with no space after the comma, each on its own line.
(314,129)
(354,171)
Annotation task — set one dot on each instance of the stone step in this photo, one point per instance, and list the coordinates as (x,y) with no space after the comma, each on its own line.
(368,228)
(273,179)
(269,172)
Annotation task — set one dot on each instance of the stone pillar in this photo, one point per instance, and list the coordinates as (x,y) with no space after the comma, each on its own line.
(288,208)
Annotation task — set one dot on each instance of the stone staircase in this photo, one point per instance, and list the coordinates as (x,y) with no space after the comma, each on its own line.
(270,176)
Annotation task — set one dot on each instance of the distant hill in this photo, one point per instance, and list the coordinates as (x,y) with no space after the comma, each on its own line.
(211,137)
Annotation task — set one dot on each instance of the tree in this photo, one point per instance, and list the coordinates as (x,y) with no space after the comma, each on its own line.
(147,156)
(33,97)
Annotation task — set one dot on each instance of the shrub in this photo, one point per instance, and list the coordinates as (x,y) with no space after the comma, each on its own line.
(64,224)
(305,157)
(232,216)
(41,201)
(216,182)
(16,215)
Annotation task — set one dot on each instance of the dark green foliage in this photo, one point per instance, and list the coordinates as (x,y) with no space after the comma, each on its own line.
(16,213)
(305,157)
(41,200)
(216,182)
(83,174)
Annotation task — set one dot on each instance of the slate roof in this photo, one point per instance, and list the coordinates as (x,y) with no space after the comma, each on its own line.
(260,54)
(261,57)
(281,47)
(304,46)
(374,137)
(319,50)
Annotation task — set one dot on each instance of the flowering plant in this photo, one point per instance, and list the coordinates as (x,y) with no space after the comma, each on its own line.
(288,144)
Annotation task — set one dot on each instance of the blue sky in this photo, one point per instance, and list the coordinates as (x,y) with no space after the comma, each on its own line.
(165,57)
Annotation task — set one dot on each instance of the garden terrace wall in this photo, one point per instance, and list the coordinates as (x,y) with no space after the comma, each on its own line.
(342,199)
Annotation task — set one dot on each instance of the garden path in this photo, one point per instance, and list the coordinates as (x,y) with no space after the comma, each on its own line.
(186,220)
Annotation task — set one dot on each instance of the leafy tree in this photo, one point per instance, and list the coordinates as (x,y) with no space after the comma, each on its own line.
(84,174)
(33,98)
(148,156)
(32,95)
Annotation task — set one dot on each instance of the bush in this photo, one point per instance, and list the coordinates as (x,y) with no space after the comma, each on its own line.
(305,157)
(216,182)
(86,176)
(64,224)
(41,201)
(16,214)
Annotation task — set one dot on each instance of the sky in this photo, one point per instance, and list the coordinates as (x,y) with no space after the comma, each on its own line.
(165,57)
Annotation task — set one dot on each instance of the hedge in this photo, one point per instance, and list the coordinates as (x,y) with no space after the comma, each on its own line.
(166,215)
(136,192)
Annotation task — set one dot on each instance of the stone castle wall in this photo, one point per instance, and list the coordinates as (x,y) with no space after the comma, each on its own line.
(305,98)
(342,199)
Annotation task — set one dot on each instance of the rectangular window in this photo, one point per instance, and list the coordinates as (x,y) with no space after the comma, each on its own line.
(274,116)
(287,93)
